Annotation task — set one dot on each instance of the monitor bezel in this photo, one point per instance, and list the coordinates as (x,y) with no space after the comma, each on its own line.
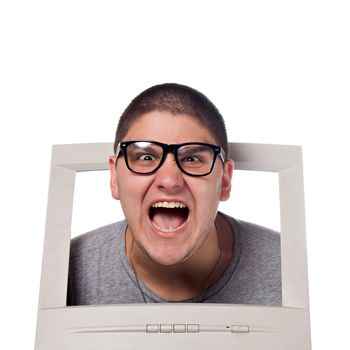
(66,324)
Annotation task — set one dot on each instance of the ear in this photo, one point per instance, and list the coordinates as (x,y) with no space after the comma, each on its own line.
(113,181)
(226,180)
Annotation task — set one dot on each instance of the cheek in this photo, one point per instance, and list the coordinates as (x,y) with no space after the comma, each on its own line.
(207,195)
(129,197)
(132,192)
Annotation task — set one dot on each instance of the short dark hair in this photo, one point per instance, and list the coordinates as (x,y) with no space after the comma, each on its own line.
(176,99)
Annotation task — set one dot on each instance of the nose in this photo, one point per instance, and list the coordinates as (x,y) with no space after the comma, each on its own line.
(169,178)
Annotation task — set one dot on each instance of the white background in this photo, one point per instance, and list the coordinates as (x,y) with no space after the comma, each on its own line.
(277,70)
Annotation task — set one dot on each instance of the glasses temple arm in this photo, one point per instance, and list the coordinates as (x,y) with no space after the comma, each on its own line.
(222,155)
(118,149)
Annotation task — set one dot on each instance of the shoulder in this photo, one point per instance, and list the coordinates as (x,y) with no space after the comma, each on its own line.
(244,230)
(256,276)
(96,239)
(258,232)
(94,257)
(258,243)
(251,229)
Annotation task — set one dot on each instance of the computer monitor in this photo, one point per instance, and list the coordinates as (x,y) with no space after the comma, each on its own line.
(179,325)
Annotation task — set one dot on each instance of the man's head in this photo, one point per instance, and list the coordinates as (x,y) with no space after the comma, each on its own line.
(170,212)
(177,100)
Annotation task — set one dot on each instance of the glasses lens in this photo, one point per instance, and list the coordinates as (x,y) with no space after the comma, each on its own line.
(144,157)
(195,159)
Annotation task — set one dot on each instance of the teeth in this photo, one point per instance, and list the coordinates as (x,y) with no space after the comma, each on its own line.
(168,205)
(165,229)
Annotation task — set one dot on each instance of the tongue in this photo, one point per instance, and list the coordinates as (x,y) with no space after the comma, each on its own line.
(169,218)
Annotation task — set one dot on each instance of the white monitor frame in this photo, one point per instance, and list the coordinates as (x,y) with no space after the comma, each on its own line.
(198,326)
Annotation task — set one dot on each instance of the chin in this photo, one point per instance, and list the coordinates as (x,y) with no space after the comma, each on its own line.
(168,259)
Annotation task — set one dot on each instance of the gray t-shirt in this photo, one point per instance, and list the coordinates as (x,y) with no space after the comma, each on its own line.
(99,272)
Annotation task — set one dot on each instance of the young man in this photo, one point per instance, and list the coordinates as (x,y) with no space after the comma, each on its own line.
(170,170)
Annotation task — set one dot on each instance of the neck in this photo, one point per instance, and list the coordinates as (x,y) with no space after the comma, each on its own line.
(191,277)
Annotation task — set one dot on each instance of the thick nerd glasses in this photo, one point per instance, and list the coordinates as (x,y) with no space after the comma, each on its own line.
(192,158)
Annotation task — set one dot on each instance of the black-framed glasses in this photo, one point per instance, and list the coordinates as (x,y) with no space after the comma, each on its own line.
(192,158)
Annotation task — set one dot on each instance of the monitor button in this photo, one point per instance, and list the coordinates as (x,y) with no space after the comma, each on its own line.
(240,329)
(166,328)
(152,328)
(179,328)
(193,328)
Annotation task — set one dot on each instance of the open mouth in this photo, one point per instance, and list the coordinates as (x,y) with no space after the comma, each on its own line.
(168,216)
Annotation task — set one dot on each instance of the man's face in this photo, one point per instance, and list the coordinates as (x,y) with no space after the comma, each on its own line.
(169,235)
